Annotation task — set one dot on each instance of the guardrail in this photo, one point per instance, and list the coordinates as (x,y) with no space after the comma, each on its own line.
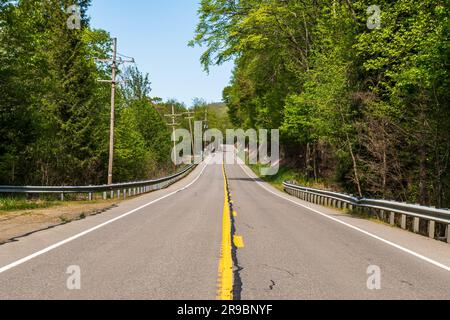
(120,189)
(435,223)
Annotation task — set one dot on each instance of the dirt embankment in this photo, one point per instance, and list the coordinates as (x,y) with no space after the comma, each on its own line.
(17,224)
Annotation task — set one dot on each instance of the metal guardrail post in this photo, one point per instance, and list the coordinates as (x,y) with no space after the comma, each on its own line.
(447,233)
(385,210)
(431,229)
(392,218)
(403,221)
(382,215)
(416,225)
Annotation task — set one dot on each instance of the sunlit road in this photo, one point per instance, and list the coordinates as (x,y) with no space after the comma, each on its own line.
(167,245)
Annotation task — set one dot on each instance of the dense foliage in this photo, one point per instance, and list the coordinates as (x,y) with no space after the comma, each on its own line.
(364,108)
(54,114)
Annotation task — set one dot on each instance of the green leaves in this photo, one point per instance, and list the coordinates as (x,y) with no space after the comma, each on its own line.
(340,91)
(54,115)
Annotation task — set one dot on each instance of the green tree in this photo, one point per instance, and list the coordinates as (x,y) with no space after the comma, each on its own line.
(366,109)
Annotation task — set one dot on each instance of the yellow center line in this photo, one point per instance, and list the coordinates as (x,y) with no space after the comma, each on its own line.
(226,275)
(226,258)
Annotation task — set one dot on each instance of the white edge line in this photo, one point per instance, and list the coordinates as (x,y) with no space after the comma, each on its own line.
(415,254)
(79,235)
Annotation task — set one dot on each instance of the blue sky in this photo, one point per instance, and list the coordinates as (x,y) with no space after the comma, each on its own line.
(156,33)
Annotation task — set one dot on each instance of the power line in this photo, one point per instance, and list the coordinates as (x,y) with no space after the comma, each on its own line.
(124,56)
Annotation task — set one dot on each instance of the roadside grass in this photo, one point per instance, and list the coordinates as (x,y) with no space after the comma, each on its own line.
(286,174)
(364,216)
(10,204)
(15,204)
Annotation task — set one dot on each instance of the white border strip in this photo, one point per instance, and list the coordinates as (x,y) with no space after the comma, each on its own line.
(75,237)
(415,254)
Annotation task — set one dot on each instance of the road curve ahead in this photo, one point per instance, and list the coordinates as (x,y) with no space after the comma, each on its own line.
(169,245)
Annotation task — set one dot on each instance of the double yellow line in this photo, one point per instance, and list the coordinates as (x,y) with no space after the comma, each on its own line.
(226,275)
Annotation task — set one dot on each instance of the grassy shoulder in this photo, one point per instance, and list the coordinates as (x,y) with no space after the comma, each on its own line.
(19,206)
(10,204)
(286,174)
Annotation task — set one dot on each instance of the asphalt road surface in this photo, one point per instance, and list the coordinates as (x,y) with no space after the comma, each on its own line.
(167,245)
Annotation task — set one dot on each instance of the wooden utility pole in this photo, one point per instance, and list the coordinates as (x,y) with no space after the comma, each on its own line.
(113,81)
(174,124)
(113,112)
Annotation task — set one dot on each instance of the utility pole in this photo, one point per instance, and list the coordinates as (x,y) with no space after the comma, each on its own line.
(174,124)
(113,81)
(190,117)
(113,113)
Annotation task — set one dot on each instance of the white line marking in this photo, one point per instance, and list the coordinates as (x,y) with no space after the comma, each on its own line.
(415,254)
(61,243)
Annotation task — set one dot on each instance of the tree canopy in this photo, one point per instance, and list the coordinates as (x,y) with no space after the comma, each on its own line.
(54,114)
(363,108)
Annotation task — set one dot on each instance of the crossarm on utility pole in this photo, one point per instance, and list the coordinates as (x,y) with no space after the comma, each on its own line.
(114,63)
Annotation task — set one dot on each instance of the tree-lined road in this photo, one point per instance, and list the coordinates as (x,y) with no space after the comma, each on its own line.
(167,245)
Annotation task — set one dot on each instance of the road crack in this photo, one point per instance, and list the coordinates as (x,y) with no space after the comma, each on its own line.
(273,284)
(290,273)
(237,284)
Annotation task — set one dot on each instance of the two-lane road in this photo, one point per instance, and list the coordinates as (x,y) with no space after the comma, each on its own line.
(167,245)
